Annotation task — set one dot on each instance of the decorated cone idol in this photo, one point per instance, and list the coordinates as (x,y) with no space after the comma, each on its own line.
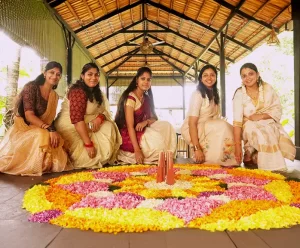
(160,177)
(170,168)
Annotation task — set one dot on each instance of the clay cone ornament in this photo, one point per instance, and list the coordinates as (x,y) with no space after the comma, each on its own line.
(165,170)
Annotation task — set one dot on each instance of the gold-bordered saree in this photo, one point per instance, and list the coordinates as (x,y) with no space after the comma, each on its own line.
(267,137)
(26,149)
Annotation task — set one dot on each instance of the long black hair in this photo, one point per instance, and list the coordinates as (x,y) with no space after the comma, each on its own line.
(120,115)
(214,94)
(91,93)
(40,80)
(254,68)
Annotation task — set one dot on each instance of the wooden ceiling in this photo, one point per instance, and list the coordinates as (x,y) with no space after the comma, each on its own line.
(112,31)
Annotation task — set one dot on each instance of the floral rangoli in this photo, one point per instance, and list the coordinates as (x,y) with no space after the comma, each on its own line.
(128,199)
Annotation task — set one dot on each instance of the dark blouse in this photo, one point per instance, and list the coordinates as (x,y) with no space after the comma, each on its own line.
(78,102)
(32,100)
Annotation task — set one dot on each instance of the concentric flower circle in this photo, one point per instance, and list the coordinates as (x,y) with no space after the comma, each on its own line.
(128,199)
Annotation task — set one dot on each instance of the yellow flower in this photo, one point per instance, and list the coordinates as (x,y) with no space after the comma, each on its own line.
(281,190)
(35,199)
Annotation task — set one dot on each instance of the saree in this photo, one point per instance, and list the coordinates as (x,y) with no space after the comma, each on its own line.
(26,150)
(159,136)
(106,140)
(267,137)
(215,134)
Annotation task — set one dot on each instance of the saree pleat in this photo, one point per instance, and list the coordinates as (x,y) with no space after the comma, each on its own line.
(26,149)
(267,137)
(106,141)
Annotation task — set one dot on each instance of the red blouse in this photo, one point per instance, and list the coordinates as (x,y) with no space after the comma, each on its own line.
(78,102)
(33,100)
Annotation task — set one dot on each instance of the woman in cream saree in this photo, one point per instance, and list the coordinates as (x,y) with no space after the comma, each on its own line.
(32,147)
(203,129)
(257,122)
(91,137)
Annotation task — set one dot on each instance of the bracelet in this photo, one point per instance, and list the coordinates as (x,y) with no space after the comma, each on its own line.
(196,148)
(89,145)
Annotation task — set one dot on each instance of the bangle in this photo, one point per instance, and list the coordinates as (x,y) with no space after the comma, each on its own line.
(196,148)
(148,122)
(89,145)
(43,125)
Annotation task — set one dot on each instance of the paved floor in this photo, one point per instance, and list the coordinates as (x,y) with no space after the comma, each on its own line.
(16,231)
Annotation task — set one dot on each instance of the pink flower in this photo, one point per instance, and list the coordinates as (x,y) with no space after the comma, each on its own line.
(208,172)
(248,192)
(120,200)
(85,187)
(189,208)
(44,216)
(248,180)
(115,176)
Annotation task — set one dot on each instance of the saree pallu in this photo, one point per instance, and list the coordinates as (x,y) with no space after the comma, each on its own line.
(267,137)
(26,150)
(159,136)
(106,141)
(215,135)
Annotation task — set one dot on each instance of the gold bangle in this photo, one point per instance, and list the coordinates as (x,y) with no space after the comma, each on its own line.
(196,148)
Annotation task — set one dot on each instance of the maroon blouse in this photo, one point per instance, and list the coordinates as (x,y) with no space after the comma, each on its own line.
(78,102)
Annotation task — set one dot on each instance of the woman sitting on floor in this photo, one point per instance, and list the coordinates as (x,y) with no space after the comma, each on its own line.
(257,112)
(91,136)
(142,134)
(32,146)
(210,136)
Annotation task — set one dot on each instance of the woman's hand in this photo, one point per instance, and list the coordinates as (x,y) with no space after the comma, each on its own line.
(96,124)
(139,157)
(238,153)
(255,117)
(199,156)
(140,126)
(54,139)
(91,151)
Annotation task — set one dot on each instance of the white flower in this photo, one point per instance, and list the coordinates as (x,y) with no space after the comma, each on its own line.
(150,203)
(163,185)
(100,194)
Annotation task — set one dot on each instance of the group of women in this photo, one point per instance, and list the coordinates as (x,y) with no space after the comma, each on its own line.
(84,135)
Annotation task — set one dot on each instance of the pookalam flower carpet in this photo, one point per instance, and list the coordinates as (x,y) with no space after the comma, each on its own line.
(128,199)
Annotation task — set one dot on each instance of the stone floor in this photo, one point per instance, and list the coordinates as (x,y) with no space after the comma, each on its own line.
(16,231)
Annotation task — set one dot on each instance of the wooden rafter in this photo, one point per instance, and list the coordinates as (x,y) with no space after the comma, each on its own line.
(233,12)
(109,15)
(188,39)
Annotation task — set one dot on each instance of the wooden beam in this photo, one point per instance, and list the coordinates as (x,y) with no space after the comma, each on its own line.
(124,55)
(233,12)
(113,34)
(56,3)
(190,40)
(117,66)
(109,15)
(117,47)
(164,54)
(180,15)
(249,17)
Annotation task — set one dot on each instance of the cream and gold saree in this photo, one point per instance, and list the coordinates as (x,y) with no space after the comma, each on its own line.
(106,141)
(267,137)
(26,149)
(215,134)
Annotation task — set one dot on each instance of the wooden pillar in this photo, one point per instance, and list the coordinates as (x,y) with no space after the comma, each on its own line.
(296,25)
(70,40)
(222,73)
(183,96)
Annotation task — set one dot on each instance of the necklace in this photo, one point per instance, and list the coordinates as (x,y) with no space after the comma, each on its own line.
(254,95)
(139,97)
